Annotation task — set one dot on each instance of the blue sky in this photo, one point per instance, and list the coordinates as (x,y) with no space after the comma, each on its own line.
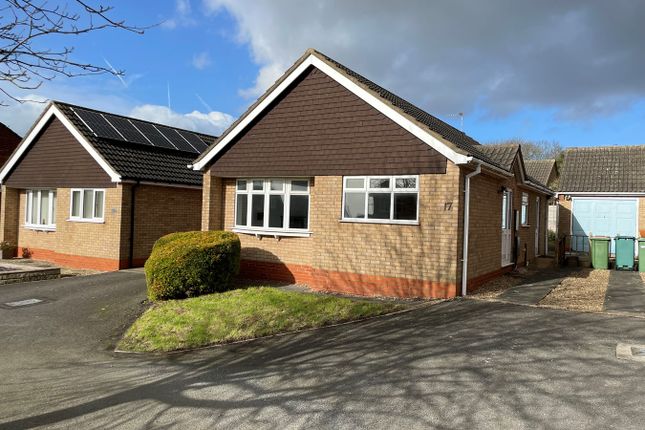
(539,72)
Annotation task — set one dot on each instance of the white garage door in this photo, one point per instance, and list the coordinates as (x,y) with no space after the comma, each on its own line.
(605,217)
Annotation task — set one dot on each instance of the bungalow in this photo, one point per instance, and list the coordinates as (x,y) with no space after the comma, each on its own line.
(602,193)
(332,181)
(90,189)
(546,172)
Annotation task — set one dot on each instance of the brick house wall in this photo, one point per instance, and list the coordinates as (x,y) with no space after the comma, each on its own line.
(359,258)
(485,241)
(104,246)
(159,210)
(76,244)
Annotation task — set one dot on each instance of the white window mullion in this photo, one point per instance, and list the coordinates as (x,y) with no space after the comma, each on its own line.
(51,220)
(392,199)
(287,204)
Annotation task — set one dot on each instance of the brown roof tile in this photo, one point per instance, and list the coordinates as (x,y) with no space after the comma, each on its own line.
(607,169)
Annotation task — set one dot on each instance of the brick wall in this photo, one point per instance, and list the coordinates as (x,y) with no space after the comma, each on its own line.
(159,211)
(564,216)
(485,243)
(76,244)
(105,246)
(9,214)
(387,259)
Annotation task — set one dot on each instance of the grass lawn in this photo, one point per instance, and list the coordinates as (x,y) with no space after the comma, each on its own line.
(240,314)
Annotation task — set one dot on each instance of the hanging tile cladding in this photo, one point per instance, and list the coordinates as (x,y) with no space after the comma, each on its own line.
(320,128)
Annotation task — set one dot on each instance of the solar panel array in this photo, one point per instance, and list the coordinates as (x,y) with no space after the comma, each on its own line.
(113,127)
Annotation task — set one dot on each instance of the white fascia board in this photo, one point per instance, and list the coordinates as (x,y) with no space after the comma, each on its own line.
(599,194)
(343,80)
(26,143)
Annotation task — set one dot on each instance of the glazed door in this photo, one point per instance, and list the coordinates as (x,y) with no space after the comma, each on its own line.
(507,228)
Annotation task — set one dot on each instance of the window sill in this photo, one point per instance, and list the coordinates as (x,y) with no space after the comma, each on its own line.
(39,227)
(90,221)
(525,225)
(271,233)
(378,221)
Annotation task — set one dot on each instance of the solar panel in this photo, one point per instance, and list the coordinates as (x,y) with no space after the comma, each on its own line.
(194,140)
(126,128)
(98,124)
(152,134)
(176,139)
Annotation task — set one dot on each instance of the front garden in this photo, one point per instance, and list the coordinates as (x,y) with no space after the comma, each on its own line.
(196,301)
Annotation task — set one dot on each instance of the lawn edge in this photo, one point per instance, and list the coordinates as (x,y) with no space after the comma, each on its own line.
(218,345)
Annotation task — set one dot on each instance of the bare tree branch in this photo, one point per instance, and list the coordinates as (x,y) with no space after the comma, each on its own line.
(25,64)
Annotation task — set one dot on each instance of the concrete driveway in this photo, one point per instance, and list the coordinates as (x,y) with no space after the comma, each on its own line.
(464,363)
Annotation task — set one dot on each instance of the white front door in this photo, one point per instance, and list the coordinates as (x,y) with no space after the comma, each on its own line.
(507,228)
(537,226)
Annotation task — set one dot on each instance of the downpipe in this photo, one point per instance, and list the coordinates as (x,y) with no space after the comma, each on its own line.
(464,257)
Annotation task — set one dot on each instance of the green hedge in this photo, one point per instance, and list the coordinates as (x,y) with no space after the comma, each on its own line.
(192,263)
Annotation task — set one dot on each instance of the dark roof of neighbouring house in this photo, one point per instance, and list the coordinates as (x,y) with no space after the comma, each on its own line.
(454,138)
(540,169)
(607,169)
(9,141)
(134,156)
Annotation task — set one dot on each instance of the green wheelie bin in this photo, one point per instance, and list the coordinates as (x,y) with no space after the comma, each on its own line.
(624,252)
(641,255)
(600,252)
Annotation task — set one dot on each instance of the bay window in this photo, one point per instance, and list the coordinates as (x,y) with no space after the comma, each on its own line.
(384,199)
(40,211)
(87,205)
(272,205)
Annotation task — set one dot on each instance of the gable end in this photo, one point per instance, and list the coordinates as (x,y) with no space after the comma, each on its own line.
(317,127)
(55,158)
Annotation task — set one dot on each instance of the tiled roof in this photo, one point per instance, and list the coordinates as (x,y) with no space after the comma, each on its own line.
(607,169)
(502,154)
(142,162)
(540,169)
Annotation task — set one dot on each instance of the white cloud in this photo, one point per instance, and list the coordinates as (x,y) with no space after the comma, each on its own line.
(182,17)
(202,60)
(205,122)
(581,58)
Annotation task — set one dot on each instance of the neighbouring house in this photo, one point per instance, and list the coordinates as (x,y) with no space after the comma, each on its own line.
(602,193)
(546,172)
(332,181)
(90,189)
(9,140)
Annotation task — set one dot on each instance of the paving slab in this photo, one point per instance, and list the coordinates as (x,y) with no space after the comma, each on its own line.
(531,293)
(625,293)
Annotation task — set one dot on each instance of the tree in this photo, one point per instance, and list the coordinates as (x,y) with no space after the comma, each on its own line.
(27,28)
(535,150)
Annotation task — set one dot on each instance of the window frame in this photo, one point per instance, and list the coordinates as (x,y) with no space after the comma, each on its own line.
(79,218)
(287,191)
(392,190)
(524,210)
(29,208)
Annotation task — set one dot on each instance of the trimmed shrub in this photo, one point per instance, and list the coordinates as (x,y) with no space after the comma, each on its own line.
(192,263)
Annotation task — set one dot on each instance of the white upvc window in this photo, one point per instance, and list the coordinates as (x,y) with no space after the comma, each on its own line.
(272,206)
(381,199)
(524,213)
(40,212)
(87,205)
